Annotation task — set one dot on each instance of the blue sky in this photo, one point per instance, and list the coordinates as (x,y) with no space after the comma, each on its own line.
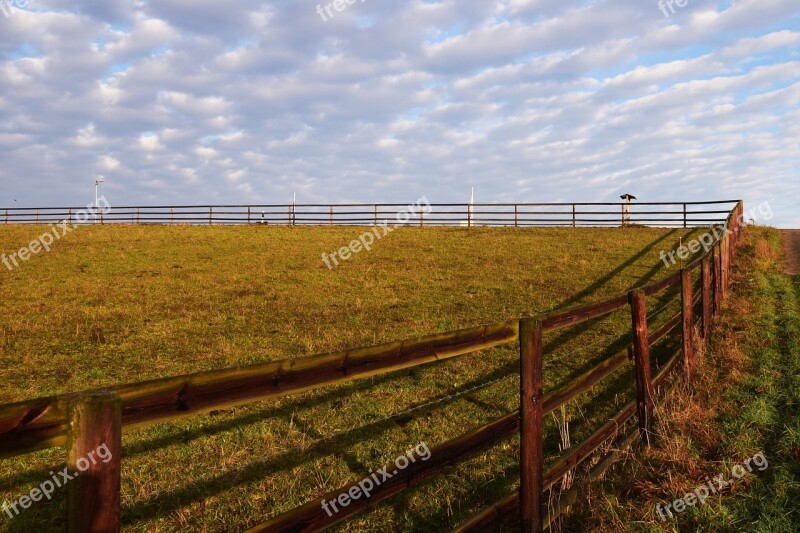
(200,101)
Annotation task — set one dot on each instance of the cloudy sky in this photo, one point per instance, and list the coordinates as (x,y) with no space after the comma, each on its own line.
(201,101)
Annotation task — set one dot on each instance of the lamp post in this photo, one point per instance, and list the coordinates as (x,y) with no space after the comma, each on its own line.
(97,183)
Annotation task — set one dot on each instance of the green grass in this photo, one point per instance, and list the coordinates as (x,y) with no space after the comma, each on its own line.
(746,400)
(112,305)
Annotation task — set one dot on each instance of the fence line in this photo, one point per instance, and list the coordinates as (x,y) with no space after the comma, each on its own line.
(592,214)
(51,422)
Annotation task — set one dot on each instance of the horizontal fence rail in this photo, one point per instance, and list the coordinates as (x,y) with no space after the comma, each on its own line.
(659,214)
(50,422)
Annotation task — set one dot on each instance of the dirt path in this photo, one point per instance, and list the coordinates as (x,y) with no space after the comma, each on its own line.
(791,248)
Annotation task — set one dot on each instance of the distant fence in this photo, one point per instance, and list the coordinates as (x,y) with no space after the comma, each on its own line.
(660,214)
(82,421)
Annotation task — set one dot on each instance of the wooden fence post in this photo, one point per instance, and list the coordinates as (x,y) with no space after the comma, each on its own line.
(94,445)
(686,329)
(516,216)
(641,355)
(706,298)
(531,430)
(574,217)
(717,280)
(248,215)
(685,222)
(210,215)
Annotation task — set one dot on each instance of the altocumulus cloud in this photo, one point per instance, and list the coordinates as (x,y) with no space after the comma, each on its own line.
(194,101)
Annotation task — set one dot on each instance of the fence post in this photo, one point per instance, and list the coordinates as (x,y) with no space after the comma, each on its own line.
(723,261)
(641,355)
(706,298)
(516,216)
(37,216)
(248,215)
(574,218)
(6,216)
(717,280)
(686,329)
(94,444)
(421,218)
(137,215)
(331,209)
(531,431)
(685,222)
(69,215)
(210,215)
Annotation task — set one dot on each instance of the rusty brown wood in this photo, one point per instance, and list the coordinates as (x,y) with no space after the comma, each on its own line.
(706,279)
(583,450)
(576,315)
(664,329)
(41,423)
(313,517)
(584,382)
(686,325)
(94,447)
(660,285)
(641,355)
(490,518)
(671,363)
(531,426)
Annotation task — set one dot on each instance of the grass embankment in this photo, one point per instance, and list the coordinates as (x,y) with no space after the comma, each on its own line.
(112,305)
(746,400)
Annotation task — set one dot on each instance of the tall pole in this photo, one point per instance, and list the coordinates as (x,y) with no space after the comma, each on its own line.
(471,203)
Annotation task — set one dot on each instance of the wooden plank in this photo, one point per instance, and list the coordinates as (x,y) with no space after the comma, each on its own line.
(686,328)
(490,518)
(717,278)
(658,286)
(584,382)
(706,279)
(641,355)
(671,363)
(575,315)
(42,423)
(664,329)
(585,449)
(531,425)
(94,447)
(313,517)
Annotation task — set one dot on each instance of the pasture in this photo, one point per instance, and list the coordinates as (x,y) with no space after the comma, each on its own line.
(121,304)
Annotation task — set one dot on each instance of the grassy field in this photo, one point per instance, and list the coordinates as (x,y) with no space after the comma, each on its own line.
(746,400)
(112,305)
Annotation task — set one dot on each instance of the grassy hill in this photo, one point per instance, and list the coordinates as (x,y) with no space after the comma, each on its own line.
(111,305)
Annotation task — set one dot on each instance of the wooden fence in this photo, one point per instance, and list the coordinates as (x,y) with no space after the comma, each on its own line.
(82,421)
(661,214)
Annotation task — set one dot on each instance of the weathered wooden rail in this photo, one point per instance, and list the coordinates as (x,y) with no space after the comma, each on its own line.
(661,214)
(93,504)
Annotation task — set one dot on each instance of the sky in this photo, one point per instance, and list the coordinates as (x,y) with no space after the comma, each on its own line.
(197,101)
